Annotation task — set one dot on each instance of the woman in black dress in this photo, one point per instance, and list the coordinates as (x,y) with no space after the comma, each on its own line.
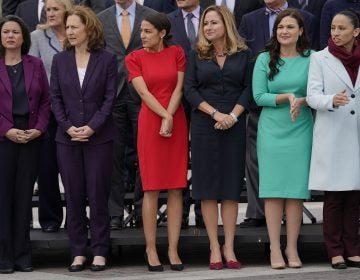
(218,86)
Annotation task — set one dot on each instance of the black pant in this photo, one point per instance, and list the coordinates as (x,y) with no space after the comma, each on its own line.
(50,208)
(125,112)
(18,171)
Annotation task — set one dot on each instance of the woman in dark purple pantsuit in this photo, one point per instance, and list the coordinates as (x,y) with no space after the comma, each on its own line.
(83,87)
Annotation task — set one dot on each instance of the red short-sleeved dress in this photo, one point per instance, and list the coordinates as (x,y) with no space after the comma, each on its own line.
(163,161)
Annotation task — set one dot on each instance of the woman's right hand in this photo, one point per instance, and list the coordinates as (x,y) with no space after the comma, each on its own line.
(166,126)
(17,136)
(341,99)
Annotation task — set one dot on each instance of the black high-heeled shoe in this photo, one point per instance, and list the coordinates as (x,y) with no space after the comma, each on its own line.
(177,266)
(153,268)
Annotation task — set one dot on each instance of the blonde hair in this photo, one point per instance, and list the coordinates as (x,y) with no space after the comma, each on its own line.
(67,4)
(233,42)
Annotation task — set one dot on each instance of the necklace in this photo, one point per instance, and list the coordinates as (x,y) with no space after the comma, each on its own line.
(14,68)
(222,54)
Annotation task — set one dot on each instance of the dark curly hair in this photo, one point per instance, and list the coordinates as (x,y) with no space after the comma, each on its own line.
(273,46)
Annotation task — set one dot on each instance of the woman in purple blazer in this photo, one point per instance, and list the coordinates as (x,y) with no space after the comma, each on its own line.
(24,115)
(83,87)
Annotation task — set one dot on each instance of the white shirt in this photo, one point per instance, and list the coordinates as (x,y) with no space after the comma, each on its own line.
(229,3)
(81,73)
(195,20)
(141,2)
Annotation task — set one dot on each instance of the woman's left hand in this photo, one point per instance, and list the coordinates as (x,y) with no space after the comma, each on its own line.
(31,134)
(294,108)
(226,122)
(83,133)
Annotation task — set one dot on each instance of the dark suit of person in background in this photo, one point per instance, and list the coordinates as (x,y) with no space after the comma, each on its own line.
(127,103)
(28,11)
(83,89)
(241,7)
(255,29)
(314,7)
(9,6)
(24,116)
(180,37)
(98,5)
(329,10)
(164,6)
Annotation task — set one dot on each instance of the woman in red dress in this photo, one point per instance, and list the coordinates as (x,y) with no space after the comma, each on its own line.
(157,73)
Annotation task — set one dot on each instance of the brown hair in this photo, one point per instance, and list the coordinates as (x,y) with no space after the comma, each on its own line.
(233,41)
(93,28)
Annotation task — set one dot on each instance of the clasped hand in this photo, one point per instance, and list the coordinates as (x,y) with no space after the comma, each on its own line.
(22,136)
(223,121)
(294,106)
(80,134)
(166,126)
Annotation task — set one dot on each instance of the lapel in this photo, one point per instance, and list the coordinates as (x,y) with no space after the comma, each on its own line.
(4,77)
(93,61)
(338,68)
(28,72)
(180,27)
(265,23)
(137,23)
(72,70)
(52,40)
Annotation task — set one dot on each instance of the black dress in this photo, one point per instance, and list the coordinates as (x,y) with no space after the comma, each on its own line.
(218,156)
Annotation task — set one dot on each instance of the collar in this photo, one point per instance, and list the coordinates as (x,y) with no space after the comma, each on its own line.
(195,12)
(270,11)
(131,9)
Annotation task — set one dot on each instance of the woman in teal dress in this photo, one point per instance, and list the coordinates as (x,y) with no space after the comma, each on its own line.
(284,132)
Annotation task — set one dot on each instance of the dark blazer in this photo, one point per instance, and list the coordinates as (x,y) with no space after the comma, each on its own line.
(9,6)
(98,5)
(37,90)
(241,8)
(164,6)
(178,31)
(314,7)
(28,11)
(115,45)
(254,28)
(90,104)
(330,8)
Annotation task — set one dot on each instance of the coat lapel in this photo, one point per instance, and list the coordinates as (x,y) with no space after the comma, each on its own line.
(72,71)
(93,61)
(137,23)
(338,68)
(4,77)
(28,72)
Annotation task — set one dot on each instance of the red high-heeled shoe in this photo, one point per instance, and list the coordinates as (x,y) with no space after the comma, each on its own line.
(231,264)
(215,265)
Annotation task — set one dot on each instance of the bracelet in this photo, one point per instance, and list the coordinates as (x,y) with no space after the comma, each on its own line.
(233,116)
(212,114)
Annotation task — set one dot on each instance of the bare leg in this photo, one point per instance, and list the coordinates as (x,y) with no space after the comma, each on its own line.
(293,210)
(274,209)
(174,213)
(229,212)
(210,211)
(149,212)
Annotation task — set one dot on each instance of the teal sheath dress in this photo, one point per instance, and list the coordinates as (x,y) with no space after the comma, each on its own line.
(283,145)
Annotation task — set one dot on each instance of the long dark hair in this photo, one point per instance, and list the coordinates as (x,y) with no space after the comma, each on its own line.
(273,46)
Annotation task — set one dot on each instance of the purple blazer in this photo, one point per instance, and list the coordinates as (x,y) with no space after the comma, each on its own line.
(37,91)
(90,104)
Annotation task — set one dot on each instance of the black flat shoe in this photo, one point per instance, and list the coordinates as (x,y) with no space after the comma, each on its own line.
(339,265)
(351,263)
(6,270)
(23,268)
(76,267)
(177,267)
(153,268)
(97,267)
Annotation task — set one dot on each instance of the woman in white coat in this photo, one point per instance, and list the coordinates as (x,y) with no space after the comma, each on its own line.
(334,92)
